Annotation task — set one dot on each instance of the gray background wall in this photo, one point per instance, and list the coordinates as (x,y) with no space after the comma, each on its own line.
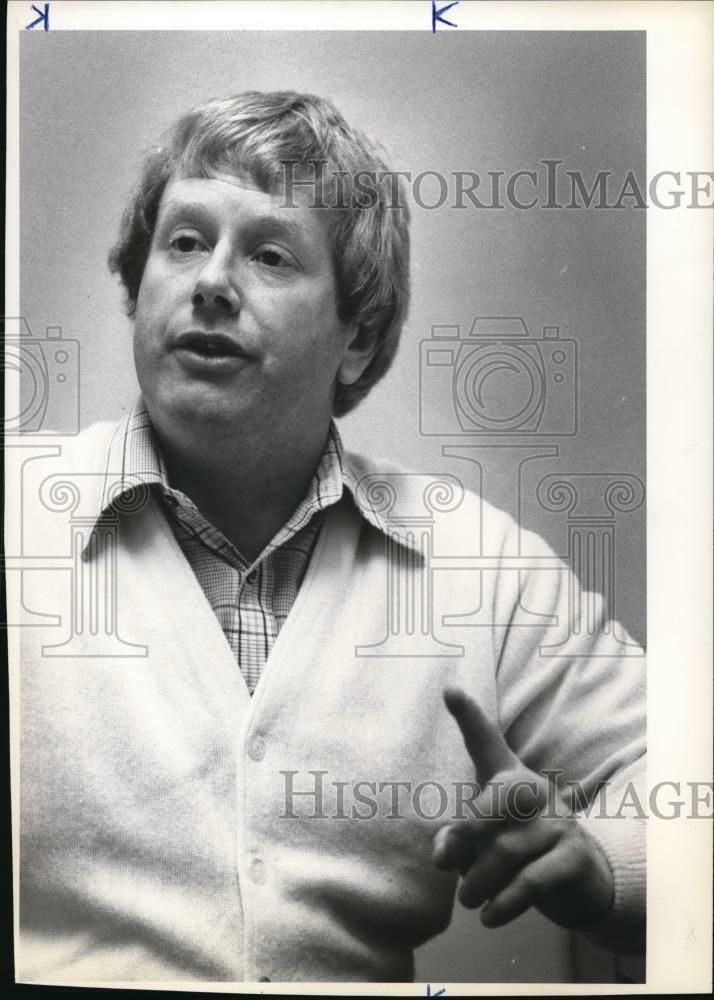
(92,101)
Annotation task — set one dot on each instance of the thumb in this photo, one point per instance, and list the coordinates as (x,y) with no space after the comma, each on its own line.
(484,741)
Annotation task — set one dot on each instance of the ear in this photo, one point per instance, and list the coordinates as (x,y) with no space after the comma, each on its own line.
(359,350)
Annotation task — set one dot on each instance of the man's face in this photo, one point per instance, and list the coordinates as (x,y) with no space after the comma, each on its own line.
(236,324)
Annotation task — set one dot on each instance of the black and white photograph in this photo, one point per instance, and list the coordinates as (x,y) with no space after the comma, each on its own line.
(357,365)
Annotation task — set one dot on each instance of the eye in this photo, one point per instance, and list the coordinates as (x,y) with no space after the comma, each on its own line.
(272,258)
(185,243)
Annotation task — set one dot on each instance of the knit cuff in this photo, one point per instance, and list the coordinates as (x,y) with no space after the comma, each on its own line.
(623,841)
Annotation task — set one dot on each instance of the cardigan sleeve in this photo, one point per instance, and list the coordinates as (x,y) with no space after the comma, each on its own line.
(572,700)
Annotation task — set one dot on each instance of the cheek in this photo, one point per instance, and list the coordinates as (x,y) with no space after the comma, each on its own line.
(307,323)
(144,302)
(153,308)
(148,318)
(157,289)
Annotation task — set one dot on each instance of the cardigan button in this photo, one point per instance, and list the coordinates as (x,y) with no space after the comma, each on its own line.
(257,871)
(256,750)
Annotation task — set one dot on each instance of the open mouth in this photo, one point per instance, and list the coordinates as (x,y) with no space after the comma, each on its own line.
(209,345)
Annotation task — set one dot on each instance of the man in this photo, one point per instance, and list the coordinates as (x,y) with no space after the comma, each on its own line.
(176,773)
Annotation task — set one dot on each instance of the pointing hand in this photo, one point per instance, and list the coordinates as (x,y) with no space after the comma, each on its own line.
(513,854)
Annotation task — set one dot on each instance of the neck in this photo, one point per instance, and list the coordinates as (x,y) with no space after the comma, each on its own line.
(246,488)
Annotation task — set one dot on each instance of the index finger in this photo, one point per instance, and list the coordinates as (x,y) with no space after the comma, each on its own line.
(484,740)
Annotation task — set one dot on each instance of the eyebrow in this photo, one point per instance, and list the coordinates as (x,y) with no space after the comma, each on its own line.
(270,221)
(282,224)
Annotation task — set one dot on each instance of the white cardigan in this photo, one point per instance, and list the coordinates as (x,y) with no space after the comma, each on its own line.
(155,843)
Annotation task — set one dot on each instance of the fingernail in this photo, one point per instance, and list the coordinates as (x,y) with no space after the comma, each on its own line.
(485,915)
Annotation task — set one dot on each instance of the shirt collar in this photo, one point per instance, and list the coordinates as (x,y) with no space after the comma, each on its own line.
(134,462)
(133,458)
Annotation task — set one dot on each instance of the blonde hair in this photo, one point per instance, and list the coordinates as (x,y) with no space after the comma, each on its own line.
(262,135)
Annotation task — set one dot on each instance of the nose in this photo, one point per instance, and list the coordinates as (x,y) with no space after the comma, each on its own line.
(215,287)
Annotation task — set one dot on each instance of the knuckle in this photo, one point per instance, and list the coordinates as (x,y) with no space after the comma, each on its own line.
(504,851)
(531,882)
(571,863)
(505,777)
(561,831)
(524,775)
(508,848)
(542,788)
(582,859)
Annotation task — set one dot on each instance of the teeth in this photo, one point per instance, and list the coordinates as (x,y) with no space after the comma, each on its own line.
(208,348)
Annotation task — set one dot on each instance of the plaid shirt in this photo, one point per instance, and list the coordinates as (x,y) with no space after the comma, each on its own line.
(251,600)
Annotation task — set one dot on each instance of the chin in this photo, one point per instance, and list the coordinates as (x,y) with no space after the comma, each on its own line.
(192,408)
